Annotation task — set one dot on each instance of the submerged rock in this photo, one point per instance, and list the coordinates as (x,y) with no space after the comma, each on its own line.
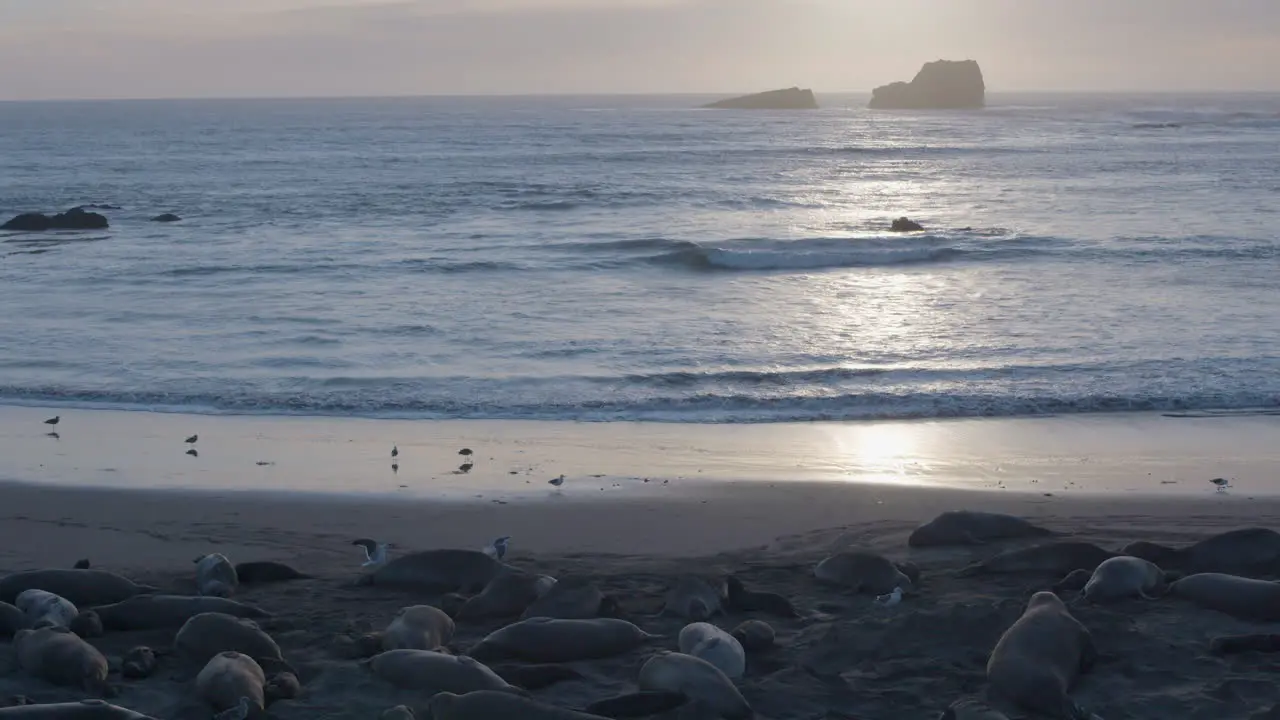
(788,99)
(73,219)
(940,85)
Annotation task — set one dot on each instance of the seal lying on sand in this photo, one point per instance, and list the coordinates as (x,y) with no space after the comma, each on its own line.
(11,620)
(208,634)
(215,576)
(1246,552)
(740,599)
(754,635)
(547,640)
(83,588)
(490,705)
(1056,558)
(138,663)
(710,643)
(967,527)
(693,598)
(1039,658)
(59,656)
(534,677)
(83,710)
(509,593)
(1123,577)
(418,627)
(46,609)
(427,671)
(158,612)
(862,572)
(568,599)
(229,677)
(448,570)
(641,704)
(697,680)
(266,571)
(1240,597)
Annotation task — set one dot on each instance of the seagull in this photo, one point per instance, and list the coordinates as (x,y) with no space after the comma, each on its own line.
(1222,483)
(891,599)
(558,481)
(375,553)
(192,452)
(499,547)
(465,452)
(192,440)
(53,421)
(395,451)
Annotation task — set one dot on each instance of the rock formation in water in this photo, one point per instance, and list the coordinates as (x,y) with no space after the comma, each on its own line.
(166,218)
(940,85)
(73,219)
(789,99)
(904,224)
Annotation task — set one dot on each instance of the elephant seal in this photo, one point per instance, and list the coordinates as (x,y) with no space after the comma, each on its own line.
(508,594)
(1161,555)
(1039,658)
(87,625)
(740,599)
(641,704)
(447,570)
(11,620)
(59,656)
(208,634)
(284,686)
(969,709)
(1246,552)
(1233,644)
(755,635)
(83,710)
(568,599)
(230,677)
(429,671)
(1123,577)
(46,609)
(706,641)
(547,640)
(862,572)
(1073,582)
(1240,597)
(215,576)
(697,680)
(968,527)
(266,571)
(1054,558)
(80,587)
(418,627)
(534,677)
(138,663)
(159,612)
(490,705)
(693,598)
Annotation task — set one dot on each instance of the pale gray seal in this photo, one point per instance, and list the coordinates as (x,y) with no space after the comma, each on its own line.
(215,576)
(418,627)
(1246,551)
(208,634)
(508,594)
(266,571)
(59,656)
(490,705)
(1055,558)
(159,612)
(697,680)
(548,640)
(447,570)
(83,710)
(11,620)
(708,642)
(693,598)
(1241,597)
(968,527)
(1038,659)
(863,572)
(228,678)
(969,709)
(138,663)
(46,609)
(429,671)
(80,587)
(568,599)
(739,599)
(755,635)
(1123,577)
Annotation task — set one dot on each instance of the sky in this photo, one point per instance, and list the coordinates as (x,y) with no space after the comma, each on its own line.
(308,48)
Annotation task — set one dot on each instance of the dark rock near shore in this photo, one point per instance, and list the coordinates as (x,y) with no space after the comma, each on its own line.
(903,224)
(166,218)
(788,99)
(940,85)
(73,219)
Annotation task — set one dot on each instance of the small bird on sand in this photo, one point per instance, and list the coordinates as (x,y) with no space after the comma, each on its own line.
(193,452)
(466,453)
(891,599)
(498,549)
(1222,483)
(53,421)
(192,440)
(557,481)
(465,467)
(395,451)
(375,553)
(395,467)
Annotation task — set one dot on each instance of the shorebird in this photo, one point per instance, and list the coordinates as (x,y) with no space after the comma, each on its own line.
(466,453)
(395,451)
(375,553)
(395,467)
(1222,483)
(193,452)
(557,481)
(498,549)
(53,421)
(192,440)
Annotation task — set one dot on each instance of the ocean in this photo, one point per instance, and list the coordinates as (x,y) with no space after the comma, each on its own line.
(635,258)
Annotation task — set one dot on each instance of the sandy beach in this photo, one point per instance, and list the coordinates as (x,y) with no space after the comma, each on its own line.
(845,656)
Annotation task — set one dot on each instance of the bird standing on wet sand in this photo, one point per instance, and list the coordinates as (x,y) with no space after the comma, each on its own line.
(192,440)
(395,451)
(375,553)
(53,422)
(1222,483)
(193,452)
(498,549)
(466,453)
(557,481)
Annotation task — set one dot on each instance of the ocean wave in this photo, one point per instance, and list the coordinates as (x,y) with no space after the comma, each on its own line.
(811,254)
